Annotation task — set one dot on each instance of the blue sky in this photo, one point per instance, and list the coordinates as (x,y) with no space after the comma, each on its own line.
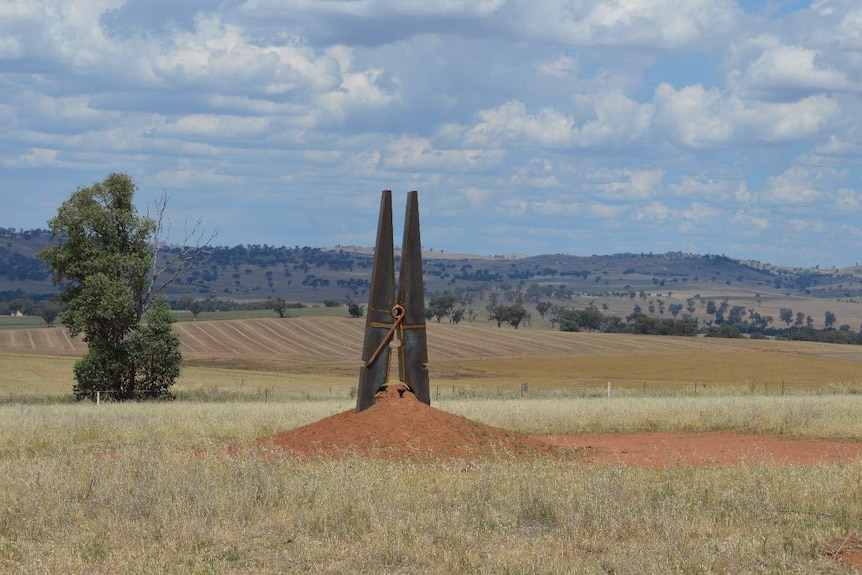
(528,126)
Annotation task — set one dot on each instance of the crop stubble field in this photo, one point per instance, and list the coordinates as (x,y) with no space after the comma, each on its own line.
(148,488)
(477,356)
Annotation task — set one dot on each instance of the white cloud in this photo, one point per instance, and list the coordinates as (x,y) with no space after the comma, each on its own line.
(632,185)
(655,211)
(552,207)
(37,157)
(783,122)
(561,67)
(695,118)
(800,185)
(750,222)
(792,187)
(475,196)
(512,207)
(848,200)
(186,173)
(654,24)
(368,8)
(418,154)
(743,195)
(358,91)
(840,146)
(10,48)
(619,120)
(803,226)
(782,71)
(222,54)
(510,123)
(703,187)
(608,211)
(215,126)
(699,211)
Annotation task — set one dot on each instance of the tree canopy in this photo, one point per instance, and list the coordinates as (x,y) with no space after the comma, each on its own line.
(105,263)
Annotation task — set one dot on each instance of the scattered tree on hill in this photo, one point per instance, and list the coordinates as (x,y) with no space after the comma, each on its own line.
(736,314)
(543,307)
(355,310)
(644,324)
(514,315)
(725,330)
(48,311)
(441,306)
(106,260)
(458,315)
(279,306)
(191,304)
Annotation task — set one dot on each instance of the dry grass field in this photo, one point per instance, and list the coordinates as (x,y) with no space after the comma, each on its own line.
(150,488)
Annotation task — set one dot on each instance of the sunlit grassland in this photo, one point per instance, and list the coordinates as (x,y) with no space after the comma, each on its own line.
(47,378)
(148,488)
(668,372)
(801,416)
(29,321)
(39,376)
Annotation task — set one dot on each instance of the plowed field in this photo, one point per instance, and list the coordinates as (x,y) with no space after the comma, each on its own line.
(477,353)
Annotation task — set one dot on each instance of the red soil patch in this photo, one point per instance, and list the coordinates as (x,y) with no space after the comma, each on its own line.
(715,449)
(848,550)
(400,426)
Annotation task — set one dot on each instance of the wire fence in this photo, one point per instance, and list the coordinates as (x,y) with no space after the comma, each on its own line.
(586,389)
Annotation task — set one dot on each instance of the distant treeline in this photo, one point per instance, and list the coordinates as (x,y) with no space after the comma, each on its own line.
(591,319)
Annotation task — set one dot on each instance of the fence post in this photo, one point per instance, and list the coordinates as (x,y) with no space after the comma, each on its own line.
(98,397)
(609,389)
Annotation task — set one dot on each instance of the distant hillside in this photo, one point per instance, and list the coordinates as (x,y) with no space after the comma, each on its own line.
(311,275)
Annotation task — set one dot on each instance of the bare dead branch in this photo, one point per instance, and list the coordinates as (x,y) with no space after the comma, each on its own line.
(196,242)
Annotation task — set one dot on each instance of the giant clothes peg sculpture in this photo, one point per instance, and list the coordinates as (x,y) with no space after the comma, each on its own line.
(392,314)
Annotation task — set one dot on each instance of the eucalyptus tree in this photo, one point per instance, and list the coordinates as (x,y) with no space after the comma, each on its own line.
(106,260)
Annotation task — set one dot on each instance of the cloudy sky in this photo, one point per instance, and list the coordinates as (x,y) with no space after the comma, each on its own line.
(528,126)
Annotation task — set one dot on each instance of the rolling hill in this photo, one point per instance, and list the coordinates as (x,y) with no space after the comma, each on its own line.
(617,282)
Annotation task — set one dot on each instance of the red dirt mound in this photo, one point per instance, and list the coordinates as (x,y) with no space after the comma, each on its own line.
(400,426)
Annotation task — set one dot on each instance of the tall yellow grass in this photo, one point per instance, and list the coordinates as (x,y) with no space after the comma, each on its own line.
(158,510)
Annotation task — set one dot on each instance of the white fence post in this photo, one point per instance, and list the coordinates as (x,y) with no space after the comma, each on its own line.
(98,397)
